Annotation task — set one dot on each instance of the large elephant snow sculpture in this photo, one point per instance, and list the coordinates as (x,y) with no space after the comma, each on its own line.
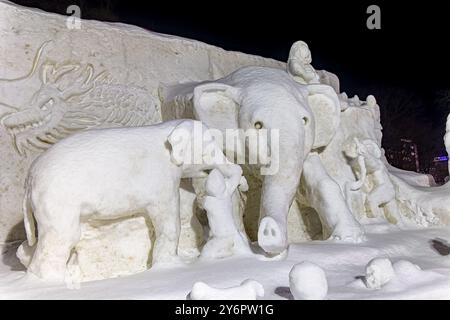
(109,174)
(307,116)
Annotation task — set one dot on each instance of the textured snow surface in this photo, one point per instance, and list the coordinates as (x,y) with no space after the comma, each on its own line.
(344,264)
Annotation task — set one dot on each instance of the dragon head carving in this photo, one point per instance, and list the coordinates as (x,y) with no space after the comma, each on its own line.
(47,117)
(72,98)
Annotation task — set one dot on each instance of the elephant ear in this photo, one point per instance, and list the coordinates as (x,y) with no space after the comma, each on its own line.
(217,105)
(180,142)
(325,106)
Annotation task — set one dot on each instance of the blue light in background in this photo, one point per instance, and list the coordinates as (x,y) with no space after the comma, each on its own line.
(441,158)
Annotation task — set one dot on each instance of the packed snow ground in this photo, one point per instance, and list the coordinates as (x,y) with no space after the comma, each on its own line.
(344,265)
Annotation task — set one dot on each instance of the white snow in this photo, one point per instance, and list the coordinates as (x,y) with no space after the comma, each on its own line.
(247,290)
(344,264)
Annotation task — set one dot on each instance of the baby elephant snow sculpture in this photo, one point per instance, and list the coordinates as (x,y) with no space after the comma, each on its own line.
(112,173)
(247,290)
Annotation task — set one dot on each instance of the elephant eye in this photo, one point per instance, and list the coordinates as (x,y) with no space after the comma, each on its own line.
(258,124)
(305,120)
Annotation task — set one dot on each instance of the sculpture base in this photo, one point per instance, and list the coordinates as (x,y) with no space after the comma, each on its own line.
(343,263)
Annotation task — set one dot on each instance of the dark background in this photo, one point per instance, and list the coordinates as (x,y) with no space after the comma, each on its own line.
(406,64)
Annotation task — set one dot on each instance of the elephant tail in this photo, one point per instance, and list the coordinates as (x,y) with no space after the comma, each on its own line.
(28,218)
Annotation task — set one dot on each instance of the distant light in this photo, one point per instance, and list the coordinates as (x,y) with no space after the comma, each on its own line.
(441,158)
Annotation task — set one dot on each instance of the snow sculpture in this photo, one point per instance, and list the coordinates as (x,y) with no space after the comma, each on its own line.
(225,239)
(49,91)
(247,290)
(308,281)
(306,116)
(109,174)
(382,193)
(379,271)
(122,88)
(299,64)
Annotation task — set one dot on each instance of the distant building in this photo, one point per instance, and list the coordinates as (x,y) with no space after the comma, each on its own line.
(405,157)
(439,169)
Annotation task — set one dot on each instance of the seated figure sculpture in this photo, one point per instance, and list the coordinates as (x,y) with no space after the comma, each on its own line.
(109,174)
(299,64)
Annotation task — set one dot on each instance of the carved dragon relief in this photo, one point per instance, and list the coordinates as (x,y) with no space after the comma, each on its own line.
(73,97)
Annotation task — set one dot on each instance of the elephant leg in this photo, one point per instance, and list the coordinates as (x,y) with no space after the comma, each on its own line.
(325,196)
(54,246)
(166,222)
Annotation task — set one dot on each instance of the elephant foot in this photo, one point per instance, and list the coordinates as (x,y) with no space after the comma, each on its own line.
(271,237)
(350,231)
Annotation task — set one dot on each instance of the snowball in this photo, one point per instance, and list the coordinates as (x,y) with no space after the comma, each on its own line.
(379,271)
(308,281)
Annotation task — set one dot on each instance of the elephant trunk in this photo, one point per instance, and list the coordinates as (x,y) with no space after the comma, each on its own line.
(278,192)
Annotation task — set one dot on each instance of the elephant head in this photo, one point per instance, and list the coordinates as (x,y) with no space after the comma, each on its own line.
(306,118)
(194,149)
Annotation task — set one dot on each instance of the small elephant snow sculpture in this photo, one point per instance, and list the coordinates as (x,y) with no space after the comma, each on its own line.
(112,173)
(225,237)
(367,156)
(379,271)
(299,64)
(306,117)
(308,281)
(247,290)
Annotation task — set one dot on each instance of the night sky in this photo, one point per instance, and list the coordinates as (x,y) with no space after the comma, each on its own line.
(405,64)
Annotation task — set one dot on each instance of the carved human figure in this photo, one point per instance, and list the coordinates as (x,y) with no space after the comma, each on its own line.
(106,174)
(299,64)
(225,238)
(370,166)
